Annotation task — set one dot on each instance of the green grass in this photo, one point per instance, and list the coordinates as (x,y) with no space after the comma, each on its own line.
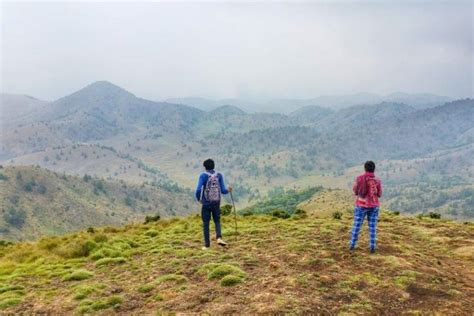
(109,261)
(78,275)
(273,265)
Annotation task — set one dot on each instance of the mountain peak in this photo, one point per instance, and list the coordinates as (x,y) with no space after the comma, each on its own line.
(105,87)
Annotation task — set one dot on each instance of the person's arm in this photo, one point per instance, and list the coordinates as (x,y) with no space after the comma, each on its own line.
(199,187)
(224,190)
(355,186)
(379,188)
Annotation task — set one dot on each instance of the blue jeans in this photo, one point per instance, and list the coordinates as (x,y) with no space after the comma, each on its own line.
(206,212)
(359,215)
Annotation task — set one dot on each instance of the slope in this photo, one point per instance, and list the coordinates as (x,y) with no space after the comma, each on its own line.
(295,265)
(37,202)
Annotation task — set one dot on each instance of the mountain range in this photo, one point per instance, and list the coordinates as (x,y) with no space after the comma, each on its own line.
(424,153)
(286,106)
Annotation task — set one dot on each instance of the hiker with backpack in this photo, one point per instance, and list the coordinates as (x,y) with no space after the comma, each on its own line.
(208,193)
(368,189)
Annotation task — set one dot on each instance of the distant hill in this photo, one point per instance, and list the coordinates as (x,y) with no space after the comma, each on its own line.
(109,132)
(335,102)
(272,265)
(37,202)
(16,106)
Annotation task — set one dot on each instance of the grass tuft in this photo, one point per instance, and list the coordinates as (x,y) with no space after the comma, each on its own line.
(109,261)
(78,275)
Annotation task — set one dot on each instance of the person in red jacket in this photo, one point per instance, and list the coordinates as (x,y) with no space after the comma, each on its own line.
(368,189)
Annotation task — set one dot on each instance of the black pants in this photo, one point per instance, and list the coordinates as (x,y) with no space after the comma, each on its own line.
(207,211)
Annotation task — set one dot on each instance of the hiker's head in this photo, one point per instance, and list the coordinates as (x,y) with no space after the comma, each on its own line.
(369,166)
(208,164)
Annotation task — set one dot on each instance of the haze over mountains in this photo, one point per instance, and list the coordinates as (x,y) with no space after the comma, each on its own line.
(423,150)
(286,106)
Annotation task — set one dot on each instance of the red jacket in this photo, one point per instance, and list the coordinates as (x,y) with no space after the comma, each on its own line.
(368,189)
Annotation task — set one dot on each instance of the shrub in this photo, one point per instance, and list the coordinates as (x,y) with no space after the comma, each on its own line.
(247,213)
(28,187)
(226,210)
(151,219)
(280,214)
(225,269)
(100,238)
(108,261)
(90,230)
(337,215)
(78,275)
(300,212)
(42,189)
(151,233)
(396,213)
(83,249)
(15,217)
(434,215)
(230,280)
(4,243)
(3,177)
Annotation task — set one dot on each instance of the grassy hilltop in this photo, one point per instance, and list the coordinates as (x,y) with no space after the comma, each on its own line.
(274,265)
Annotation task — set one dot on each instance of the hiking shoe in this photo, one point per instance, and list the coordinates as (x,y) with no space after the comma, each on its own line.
(205,248)
(351,248)
(221,242)
(372,250)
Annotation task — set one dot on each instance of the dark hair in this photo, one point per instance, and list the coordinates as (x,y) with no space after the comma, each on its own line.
(208,164)
(369,166)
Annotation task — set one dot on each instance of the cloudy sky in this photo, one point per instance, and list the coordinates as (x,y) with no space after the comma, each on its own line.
(263,49)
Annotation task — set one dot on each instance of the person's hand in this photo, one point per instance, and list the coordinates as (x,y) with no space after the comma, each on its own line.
(230,189)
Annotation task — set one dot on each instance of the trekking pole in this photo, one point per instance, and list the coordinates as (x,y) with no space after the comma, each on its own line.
(235,215)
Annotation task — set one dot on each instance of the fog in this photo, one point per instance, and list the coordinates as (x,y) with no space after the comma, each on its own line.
(264,49)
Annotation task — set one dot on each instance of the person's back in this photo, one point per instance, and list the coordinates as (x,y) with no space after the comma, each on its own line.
(208,192)
(368,189)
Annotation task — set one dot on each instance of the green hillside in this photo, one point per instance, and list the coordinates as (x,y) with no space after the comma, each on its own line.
(273,265)
(37,202)
(423,154)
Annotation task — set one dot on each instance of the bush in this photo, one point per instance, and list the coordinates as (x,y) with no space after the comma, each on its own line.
(337,215)
(247,213)
(151,219)
(396,213)
(91,230)
(225,269)
(3,177)
(280,214)
(226,210)
(28,187)
(299,213)
(152,233)
(434,215)
(15,217)
(83,249)
(78,275)
(230,280)
(100,238)
(4,243)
